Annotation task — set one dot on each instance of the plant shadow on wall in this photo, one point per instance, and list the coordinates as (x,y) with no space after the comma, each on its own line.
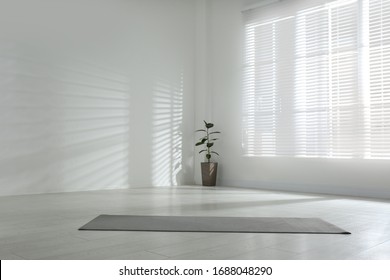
(209,169)
(64,123)
(167,131)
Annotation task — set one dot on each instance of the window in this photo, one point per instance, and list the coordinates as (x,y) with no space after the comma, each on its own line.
(317,80)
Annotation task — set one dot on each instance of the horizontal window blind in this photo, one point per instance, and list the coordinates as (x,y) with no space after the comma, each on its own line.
(317,80)
(379,78)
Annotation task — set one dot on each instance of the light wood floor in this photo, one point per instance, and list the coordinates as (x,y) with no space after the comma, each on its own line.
(45,226)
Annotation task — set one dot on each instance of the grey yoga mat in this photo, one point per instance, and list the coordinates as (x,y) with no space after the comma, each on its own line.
(212,224)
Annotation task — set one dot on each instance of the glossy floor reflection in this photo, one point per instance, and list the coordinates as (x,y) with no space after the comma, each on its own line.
(45,226)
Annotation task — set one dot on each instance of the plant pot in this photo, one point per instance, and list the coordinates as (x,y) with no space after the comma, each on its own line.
(209,173)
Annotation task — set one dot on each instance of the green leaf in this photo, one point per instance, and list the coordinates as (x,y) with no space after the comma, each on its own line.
(208,156)
(209,145)
(214,132)
(202,151)
(200,130)
(214,139)
(201,142)
(215,153)
(208,125)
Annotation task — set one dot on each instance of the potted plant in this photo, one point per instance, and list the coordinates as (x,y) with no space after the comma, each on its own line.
(209,168)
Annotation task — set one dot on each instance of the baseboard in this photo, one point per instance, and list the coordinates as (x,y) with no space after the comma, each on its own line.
(369,192)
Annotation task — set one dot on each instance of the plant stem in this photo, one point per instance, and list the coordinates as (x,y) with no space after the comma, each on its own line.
(208,148)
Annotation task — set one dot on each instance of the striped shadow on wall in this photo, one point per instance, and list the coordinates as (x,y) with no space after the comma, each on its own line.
(64,124)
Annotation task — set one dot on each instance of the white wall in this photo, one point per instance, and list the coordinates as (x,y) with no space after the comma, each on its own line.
(352,177)
(106,94)
(95,94)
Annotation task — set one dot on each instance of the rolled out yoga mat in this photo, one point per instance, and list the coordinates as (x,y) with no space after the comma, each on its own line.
(212,224)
